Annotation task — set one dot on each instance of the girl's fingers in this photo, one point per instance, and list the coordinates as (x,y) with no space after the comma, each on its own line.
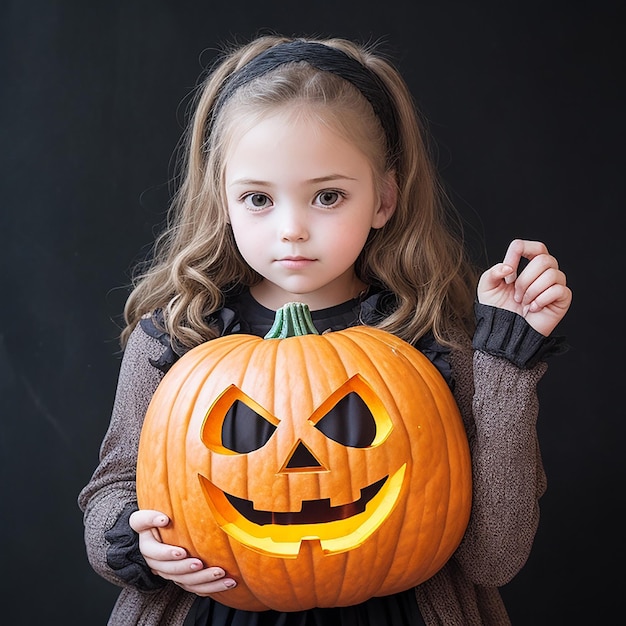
(193,578)
(519,249)
(157,551)
(205,589)
(537,254)
(492,278)
(529,287)
(207,575)
(146,519)
(538,291)
(557,296)
(170,568)
(538,266)
(523,248)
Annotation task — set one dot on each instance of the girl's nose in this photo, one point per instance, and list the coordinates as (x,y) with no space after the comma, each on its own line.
(293,226)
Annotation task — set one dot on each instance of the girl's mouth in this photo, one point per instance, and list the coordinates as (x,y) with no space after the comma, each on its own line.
(295,263)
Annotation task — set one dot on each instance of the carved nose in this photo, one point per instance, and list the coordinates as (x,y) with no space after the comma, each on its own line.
(303,458)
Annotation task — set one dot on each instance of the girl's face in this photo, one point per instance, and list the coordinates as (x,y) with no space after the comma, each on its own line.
(301,202)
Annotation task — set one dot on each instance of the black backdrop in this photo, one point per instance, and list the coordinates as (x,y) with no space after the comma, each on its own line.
(525,103)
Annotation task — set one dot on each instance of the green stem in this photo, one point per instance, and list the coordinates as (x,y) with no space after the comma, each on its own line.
(292,320)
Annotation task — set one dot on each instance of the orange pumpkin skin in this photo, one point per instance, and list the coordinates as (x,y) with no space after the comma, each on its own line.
(404,535)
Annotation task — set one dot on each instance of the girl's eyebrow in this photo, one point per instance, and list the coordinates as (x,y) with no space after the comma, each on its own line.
(320,179)
(324,179)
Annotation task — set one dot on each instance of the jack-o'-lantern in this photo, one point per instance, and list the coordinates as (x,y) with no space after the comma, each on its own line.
(317,470)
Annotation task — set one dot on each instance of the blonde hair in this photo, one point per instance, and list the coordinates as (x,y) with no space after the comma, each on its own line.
(419,254)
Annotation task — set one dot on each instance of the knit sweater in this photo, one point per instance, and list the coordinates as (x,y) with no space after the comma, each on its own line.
(499,406)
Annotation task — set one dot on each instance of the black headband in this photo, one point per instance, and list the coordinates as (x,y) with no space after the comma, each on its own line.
(327,59)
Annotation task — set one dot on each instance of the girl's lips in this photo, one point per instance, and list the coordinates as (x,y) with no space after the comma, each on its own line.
(295,263)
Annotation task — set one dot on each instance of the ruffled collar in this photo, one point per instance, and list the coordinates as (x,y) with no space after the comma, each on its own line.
(243,314)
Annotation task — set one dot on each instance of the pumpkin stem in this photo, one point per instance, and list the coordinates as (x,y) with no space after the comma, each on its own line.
(292,320)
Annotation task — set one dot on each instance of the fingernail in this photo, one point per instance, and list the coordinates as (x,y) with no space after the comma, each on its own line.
(229,584)
(194,565)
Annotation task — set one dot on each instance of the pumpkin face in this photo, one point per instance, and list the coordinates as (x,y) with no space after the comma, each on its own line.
(308,461)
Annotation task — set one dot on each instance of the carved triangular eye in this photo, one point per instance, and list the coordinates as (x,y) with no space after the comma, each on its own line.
(244,430)
(236,424)
(349,422)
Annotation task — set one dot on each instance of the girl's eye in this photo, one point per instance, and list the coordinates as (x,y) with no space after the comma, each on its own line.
(256,201)
(328,198)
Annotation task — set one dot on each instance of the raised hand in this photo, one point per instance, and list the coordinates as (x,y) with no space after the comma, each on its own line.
(539,293)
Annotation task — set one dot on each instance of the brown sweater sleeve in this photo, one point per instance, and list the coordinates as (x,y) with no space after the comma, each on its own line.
(499,404)
(112,485)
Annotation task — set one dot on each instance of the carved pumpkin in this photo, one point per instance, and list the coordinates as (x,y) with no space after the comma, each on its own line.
(317,470)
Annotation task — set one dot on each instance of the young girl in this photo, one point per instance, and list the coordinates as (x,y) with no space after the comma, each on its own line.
(307,178)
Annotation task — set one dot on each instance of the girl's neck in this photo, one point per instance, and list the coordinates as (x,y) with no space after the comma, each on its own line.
(270,297)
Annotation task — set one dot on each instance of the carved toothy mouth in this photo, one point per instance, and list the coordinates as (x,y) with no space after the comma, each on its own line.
(337,528)
(312,512)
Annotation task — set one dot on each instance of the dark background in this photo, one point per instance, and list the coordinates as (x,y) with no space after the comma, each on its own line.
(525,103)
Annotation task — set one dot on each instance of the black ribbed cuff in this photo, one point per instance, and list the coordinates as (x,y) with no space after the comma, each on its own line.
(124,556)
(508,335)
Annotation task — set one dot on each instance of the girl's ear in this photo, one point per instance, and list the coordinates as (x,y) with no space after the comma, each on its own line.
(388,200)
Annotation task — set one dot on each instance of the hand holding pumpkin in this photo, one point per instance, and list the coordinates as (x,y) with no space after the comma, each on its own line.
(539,293)
(172,562)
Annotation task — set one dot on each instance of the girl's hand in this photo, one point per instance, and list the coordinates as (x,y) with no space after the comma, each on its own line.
(172,562)
(539,293)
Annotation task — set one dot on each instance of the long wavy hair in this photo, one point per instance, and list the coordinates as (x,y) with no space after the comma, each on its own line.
(419,254)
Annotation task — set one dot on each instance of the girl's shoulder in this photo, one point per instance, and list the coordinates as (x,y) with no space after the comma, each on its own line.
(381,303)
(152,325)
